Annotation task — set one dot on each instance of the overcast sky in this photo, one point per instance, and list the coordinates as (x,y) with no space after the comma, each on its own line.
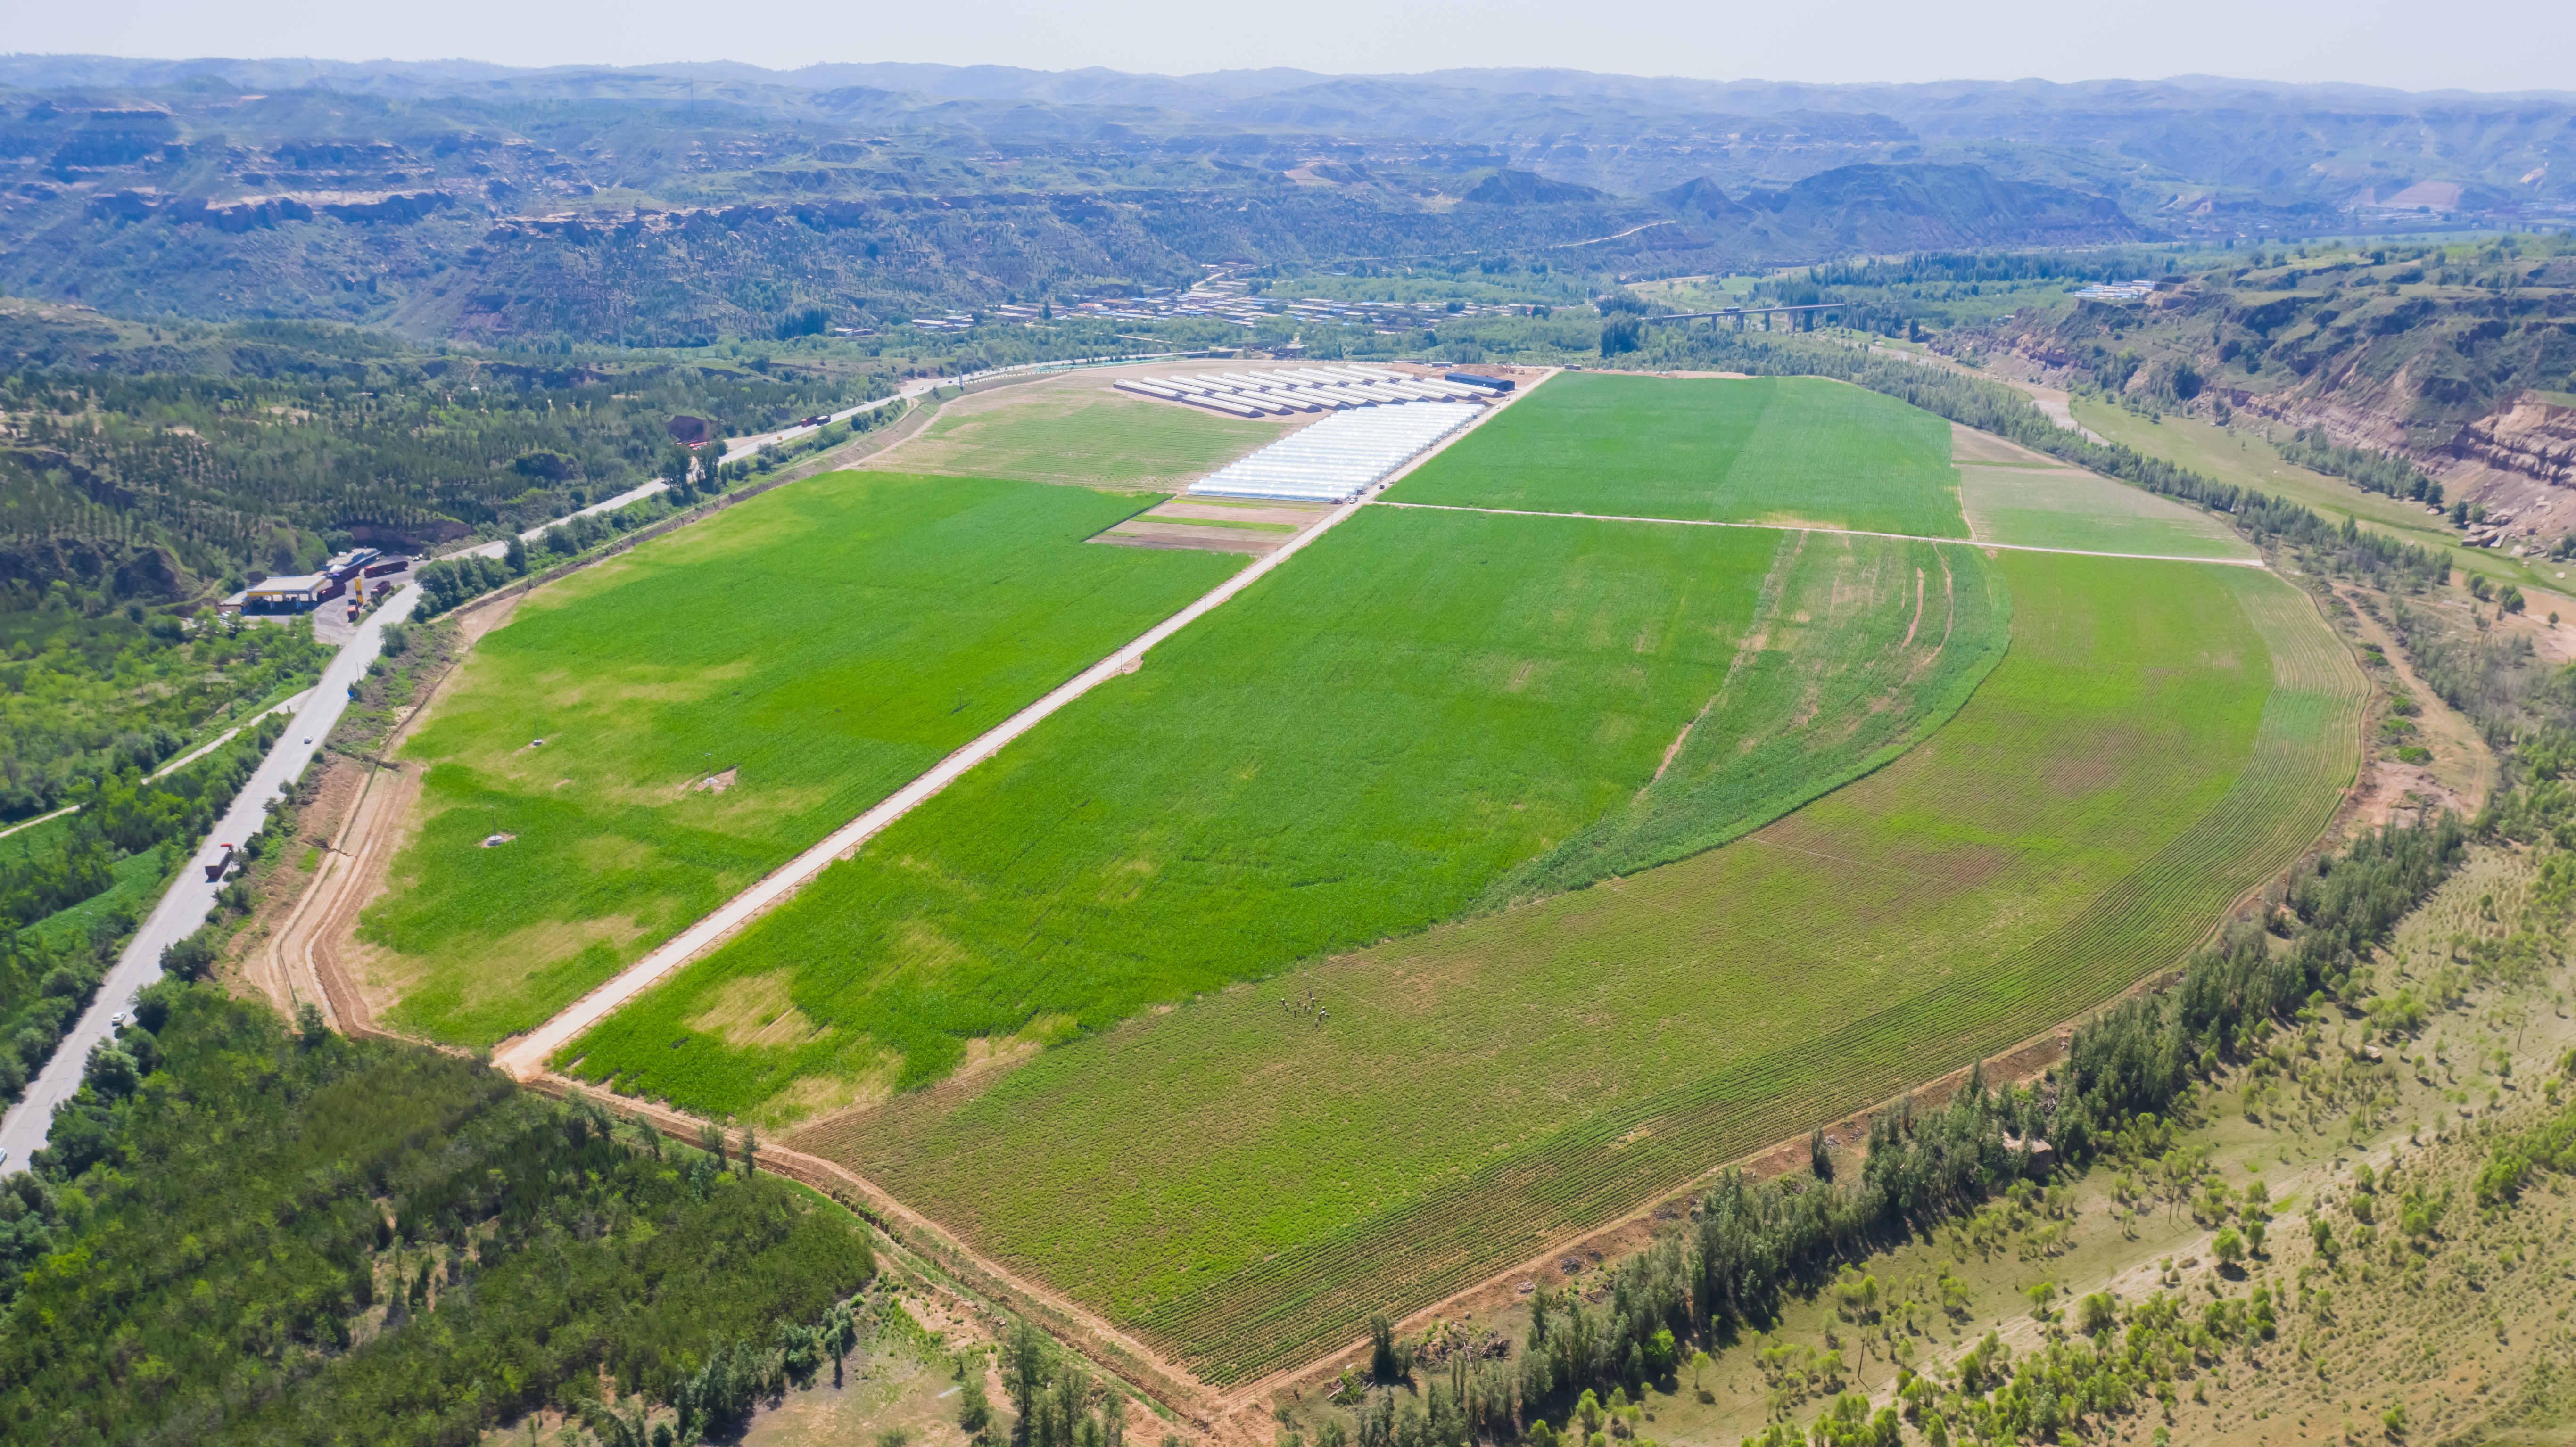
(2489,45)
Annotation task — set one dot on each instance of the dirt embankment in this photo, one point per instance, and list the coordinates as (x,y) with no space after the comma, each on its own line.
(304,947)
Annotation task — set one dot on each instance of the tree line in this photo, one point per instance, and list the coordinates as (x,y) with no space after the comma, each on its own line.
(2371,471)
(1753,1244)
(151,486)
(450,582)
(85,700)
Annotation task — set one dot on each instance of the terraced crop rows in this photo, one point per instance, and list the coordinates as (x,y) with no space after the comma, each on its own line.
(1860,647)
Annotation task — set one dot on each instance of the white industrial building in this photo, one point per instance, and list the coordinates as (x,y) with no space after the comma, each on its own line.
(1341,457)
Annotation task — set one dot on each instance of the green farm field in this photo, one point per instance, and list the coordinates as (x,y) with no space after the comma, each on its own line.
(2014,495)
(1353,747)
(1241,1183)
(1765,450)
(1076,430)
(717,699)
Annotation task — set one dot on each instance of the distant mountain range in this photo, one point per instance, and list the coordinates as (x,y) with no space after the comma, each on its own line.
(675,202)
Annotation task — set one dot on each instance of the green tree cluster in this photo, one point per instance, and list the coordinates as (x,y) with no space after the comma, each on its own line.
(130,486)
(47,973)
(246,1233)
(84,701)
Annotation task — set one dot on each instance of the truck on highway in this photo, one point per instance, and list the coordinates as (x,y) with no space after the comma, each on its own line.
(223,860)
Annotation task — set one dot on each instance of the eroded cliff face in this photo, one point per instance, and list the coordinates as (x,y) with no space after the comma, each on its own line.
(2517,462)
(2531,436)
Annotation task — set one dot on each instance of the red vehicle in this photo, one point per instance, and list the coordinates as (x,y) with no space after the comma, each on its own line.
(223,860)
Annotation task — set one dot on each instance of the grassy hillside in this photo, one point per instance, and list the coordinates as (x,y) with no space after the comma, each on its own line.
(1788,450)
(2241,456)
(1254,1182)
(808,652)
(2427,338)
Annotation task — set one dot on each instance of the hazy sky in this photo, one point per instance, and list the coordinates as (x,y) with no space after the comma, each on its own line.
(2490,45)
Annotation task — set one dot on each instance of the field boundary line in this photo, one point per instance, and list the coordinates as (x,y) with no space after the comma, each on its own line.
(918,1235)
(1604,517)
(526,1056)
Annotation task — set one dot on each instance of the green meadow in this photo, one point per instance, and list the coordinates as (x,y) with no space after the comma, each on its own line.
(719,698)
(1353,748)
(1770,449)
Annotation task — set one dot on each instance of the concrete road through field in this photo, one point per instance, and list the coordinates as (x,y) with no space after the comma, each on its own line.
(191,897)
(525,1056)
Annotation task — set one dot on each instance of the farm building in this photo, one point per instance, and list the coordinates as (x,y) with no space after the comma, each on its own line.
(295,593)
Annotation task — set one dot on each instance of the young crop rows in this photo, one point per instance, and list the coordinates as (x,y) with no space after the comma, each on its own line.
(1794,449)
(1352,749)
(1274,1187)
(635,766)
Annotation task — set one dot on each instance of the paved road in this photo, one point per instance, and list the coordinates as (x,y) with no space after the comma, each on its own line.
(190,898)
(497,547)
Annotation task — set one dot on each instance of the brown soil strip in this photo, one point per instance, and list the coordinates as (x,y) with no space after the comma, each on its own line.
(1219,512)
(2438,721)
(1206,540)
(261,968)
(309,958)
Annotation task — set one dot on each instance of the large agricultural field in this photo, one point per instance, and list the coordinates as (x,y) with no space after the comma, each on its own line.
(1252,1184)
(715,700)
(1471,879)
(1291,775)
(1767,450)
